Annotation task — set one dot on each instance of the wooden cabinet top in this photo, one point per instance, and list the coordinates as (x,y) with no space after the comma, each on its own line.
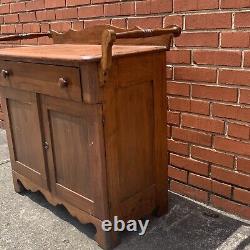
(74,53)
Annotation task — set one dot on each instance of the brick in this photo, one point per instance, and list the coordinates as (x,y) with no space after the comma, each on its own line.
(17,7)
(161,6)
(12,18)
(237,39)
(247,59)
(221,188)
(30,41)
(213,156)
(177,88)
(203,123)
(46,15)
(27,17)
(145,22)
(231,112)
(189,164)
(179,56)
(35,5)
(177,174)
(8,29)
(45,41)
(19,28)
(243,165)
(90,11)
(234,4)
(241,195)
(201,39)
(215,93)
(187,105)
(245,96)
(209,21)
(77,25)
(77,2)
(173,20)
(4,9)
(230,177)
(242,19)
(230,206)
(112,9)
(199,107)
(236,77)
(102,1)
(195,74)
(54,3)
(119,22)
(143,7)
(239,131)
(223,58)
(61,26)
(195,137)
(45,27)
(173,118)
(127,8)
(169,72)
(178,147)
(191,192)
(31,27)
(66,13)
(186,5)
(230,145)
(94,22)
(200,181)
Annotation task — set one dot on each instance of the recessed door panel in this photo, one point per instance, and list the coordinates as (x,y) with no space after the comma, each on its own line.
(24,135)
(70,142)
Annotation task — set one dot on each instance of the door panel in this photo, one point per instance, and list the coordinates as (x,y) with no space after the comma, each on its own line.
(24,135)
(73,132)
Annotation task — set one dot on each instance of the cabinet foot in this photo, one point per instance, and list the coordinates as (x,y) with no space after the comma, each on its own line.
(18,187)
(106,240)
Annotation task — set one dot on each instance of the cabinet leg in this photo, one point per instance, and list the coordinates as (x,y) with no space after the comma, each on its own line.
(18,187)
(106,240)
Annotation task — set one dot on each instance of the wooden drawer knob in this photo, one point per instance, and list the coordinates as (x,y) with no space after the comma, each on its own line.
(5,73)
(63,83)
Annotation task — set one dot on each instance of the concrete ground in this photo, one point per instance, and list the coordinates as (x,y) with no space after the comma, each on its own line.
(28,222)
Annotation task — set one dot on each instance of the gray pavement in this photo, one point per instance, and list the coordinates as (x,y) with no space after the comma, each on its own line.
(28,222)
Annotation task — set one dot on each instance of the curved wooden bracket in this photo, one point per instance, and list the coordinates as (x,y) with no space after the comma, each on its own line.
(108,39)
(109,36)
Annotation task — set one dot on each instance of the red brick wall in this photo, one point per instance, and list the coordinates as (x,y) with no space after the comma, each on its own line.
(208,87)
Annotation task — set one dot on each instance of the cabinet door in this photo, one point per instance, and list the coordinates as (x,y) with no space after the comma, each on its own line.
(75,155)
(24,134)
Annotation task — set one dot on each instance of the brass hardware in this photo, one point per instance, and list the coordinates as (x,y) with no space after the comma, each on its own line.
(63,83)
(5,73)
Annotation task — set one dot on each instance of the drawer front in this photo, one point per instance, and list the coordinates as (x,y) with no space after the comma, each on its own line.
(58,81)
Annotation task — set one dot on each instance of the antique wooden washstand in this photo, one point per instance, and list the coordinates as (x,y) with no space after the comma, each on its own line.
(86,121)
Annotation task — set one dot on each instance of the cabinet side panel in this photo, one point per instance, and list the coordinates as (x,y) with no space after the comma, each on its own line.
(135,135)
(135,124)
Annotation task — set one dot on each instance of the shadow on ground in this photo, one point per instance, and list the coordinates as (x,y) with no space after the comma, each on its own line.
(28,221)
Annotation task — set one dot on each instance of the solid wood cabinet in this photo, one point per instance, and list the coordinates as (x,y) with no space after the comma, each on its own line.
(90,138)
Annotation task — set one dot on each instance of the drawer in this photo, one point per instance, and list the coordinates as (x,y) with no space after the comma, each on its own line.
(58,81)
